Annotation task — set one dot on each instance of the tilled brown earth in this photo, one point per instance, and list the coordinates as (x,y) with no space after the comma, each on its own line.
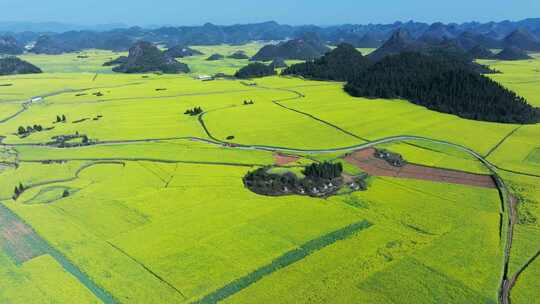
(365,160)
(283,159)
(18,240)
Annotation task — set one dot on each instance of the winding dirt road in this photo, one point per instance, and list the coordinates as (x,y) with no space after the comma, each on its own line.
(508,201)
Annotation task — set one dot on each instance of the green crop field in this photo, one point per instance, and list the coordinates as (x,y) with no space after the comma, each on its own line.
(527,232)
(89,61)
(520,151)
(154,209)
(534,156)
(368,266)
(523,76)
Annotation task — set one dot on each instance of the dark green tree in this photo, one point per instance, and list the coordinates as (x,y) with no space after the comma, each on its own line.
(342,64)
(254,70)
(445,84)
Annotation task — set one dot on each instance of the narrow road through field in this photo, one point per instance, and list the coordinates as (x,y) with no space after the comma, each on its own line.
(502,141)
(63,261)
(516,276)
(508,201)
(25,105)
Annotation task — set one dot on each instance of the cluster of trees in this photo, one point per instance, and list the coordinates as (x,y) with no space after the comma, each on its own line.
(341,64)
(70,140)
(441,78)
(18,191)
(307,46)
(325,170)
(278,63)
(512,53)
(248,102)
(320,180)
(254,70)
(238,55)
(181,51)
(60,118)
(145,57)
(117,61)
(14,66)
(30,129)
(85,139)
(215,57)
(444,85)
(262,182)
(394,159)
(194,112)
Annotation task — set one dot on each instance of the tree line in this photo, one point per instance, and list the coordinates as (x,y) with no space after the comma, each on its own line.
(194,112)
(254,70)
(443,85)
(325,170)
(319,180)
(342,64)
(60,118)
(29,129)
(442,80)
(18,191)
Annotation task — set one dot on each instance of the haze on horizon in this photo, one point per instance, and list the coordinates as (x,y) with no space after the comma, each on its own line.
(294,12)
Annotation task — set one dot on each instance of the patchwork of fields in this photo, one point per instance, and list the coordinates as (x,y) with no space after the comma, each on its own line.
(155,210)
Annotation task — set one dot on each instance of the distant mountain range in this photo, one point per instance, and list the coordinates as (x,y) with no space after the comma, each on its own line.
(54,27)
(524,34)
(308,46)
(145,57)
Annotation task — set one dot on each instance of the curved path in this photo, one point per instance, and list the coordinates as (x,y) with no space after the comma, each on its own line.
(520,271)
(103,295)
(502,141)
(25,105)
(69,179)
(507,200)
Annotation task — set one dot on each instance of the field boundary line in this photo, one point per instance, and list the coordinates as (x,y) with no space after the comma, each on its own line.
(523,268)
(157,276)
(320,120)
(288,258)
(154,160)
(300,95)
(502,141)
(25,105)
(68,179)
(65,263)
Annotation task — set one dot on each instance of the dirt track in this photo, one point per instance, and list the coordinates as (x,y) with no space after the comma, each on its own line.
(365,160)
(284,159)
(505,288)
(18,240)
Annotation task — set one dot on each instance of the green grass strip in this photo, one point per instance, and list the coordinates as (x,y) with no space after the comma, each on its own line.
(283,261)
(42,247)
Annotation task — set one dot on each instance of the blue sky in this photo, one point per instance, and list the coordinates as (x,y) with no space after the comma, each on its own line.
(321,12)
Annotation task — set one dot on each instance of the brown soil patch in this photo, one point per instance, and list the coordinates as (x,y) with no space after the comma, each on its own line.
(284,159)
(365,160)
(17,239)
